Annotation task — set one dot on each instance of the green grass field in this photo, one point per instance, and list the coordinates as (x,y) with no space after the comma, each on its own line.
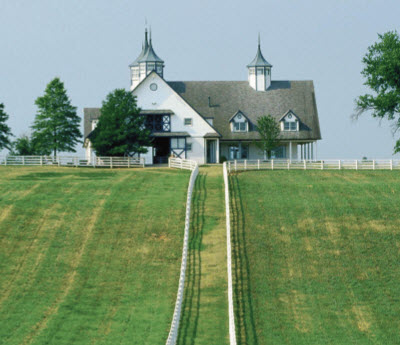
(316,257)
(205,306)
(89,256)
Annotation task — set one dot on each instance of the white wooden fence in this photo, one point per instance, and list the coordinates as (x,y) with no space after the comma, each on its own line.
(231,313)
(193,166)
(182,163)
(326,164)
(73,161)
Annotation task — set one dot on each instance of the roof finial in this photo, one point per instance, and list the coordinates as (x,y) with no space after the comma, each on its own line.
(150,33)
(259,41)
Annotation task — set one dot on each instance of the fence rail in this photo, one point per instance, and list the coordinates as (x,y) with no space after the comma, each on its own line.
(182,163)
(326,164)
(231,313)
(73,161)
(193,166)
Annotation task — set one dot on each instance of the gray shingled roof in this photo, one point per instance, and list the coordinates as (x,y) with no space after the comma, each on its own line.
(89,114)
(227,97)
(150,55)
(259,60)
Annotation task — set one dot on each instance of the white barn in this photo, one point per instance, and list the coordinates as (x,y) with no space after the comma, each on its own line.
(209,120)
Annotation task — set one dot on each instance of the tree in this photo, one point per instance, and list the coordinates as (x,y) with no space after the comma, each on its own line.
(269,132)
(26,146)
(120,130)
(5,131)
(56,125)
(382,73)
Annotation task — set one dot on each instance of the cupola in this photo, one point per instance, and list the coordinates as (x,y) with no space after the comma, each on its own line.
(145,63)
(259,71)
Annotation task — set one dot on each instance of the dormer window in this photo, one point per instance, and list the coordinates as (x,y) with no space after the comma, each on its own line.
(239,123)
(239,126)
(290,126)
(290,122)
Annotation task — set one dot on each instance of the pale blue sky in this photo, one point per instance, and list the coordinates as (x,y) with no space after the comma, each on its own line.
(89,45)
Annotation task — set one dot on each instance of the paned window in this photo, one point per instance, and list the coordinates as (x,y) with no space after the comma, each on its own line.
(188,121)
(239,126)
(188,146)
(177,143)
(290,126)
(158,123)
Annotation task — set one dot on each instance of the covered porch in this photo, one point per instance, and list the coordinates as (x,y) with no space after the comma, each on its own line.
(296,150)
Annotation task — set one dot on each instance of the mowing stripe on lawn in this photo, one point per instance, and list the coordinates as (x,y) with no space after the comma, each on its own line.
(204,313)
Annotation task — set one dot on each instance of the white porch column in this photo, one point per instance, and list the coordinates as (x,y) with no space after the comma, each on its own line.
(290,150)
(312,151)
(316,150)
(217,158)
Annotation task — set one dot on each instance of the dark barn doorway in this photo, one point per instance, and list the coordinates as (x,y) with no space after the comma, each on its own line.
(161,150)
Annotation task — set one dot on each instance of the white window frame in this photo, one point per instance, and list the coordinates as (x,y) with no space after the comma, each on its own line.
(287,126)
(234,129)
(188,119)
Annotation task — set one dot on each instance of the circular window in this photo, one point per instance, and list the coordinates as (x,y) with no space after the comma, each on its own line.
(289,116)
(239,116)
(153,87)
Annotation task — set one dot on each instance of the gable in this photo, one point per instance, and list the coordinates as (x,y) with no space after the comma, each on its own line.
(289,116)
(154,93)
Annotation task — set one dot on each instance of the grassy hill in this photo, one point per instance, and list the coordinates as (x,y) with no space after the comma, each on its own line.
(89,256)
(317,257)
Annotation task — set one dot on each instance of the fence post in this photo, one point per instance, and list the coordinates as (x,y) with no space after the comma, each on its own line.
(245,164)
(373,164)
(391,164)
(305,164)
(169,162)
(23,160)
(58,160)
(322,164)
(129,161)
(181,164)
(41,160)
(340,164)
(111,163)
(272,164)
(235,165)
(288,164)
(356,164)
(258,164)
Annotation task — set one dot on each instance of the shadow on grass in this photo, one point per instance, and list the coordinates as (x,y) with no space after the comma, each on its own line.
(244,314)
(191,301)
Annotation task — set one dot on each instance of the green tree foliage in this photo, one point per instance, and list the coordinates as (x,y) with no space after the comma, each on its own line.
(382,73)
(26,146)
(269,132)
(56,125)
(121,130)
(5,131)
